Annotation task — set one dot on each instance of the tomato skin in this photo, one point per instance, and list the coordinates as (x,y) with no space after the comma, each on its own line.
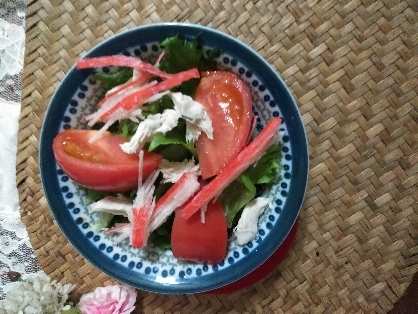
(227,101)
(101,165)
(192,240)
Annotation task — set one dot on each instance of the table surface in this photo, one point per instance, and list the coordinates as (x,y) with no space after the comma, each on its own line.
(353,69)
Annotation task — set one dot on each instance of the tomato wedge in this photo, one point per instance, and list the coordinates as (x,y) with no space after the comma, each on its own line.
(227,101)
(199,242)
(101,165)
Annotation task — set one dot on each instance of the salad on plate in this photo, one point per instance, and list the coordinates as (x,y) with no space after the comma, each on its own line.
(169,159)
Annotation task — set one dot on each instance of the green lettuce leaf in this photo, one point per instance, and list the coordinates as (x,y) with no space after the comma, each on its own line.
(161,237)
(160,139)
(236,196)
(112,79)
(174,152)
(264,171)
(181,55)
(260,175)
(158,106)
(93,195)
(176,137)
(126,128)
(103,220)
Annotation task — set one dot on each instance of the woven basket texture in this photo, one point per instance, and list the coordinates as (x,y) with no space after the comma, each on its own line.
(352,67)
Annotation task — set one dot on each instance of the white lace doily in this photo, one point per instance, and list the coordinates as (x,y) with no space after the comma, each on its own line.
(16,253)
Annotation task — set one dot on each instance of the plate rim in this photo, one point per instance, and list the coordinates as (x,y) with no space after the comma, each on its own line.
(46,138)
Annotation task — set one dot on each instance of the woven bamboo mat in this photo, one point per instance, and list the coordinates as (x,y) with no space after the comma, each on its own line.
(353,69)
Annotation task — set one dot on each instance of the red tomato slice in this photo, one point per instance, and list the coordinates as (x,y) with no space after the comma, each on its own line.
(199,242)
(101,165)
(227,101)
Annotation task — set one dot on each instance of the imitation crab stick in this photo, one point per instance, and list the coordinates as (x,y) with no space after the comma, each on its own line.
(140,220)
(175,197)
(132,101)
(122,88)
(123,230)
(113,101)
(143,207)
(122,61)
(119,228)
(248,156)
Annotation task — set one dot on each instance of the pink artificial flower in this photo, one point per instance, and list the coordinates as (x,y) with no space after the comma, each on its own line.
(119,299)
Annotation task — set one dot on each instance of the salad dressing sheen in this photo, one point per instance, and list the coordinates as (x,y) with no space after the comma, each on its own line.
(78,152)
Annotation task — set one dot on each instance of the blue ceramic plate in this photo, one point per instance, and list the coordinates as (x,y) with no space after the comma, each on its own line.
(151,269)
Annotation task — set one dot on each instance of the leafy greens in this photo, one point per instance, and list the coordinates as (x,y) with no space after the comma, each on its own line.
(181,55)
(112,79)
(243,189)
